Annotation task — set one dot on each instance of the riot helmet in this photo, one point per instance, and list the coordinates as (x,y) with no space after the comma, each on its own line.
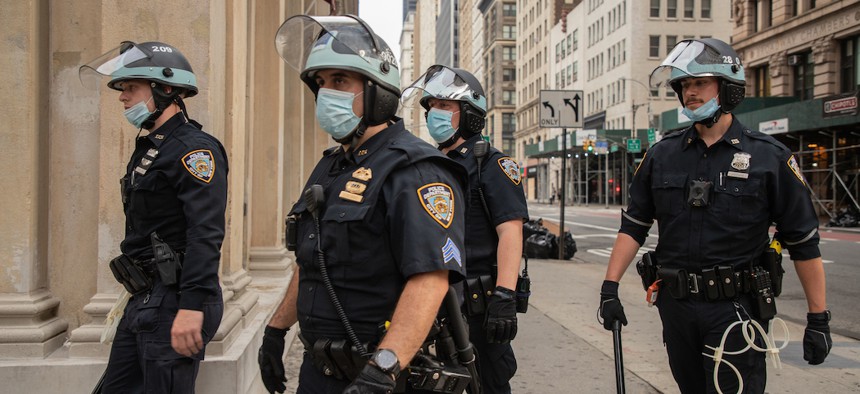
(309,44)
(455,84)
(706,57)
(159,63)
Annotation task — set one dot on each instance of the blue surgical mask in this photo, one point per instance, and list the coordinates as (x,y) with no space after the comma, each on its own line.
(138,113)
(705,111)
(334,112)
(439,124)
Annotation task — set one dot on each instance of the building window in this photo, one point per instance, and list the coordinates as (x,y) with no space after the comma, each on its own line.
(672,9)
(508,9)
(509,32)
(509,97)
(706,9)
(509,123)
(804,74)
(654,46)
(509,74)
(575,39)
(655,8)
(688,8)
(850,72)
(793,7)
(762,81)
(670,43)
(509,53)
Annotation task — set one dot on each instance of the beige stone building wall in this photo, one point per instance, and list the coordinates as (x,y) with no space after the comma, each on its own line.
(780,32)
(63,149)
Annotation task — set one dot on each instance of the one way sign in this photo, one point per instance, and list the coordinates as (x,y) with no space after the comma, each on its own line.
(561,108)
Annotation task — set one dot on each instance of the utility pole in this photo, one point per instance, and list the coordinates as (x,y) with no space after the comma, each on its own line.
(563,193)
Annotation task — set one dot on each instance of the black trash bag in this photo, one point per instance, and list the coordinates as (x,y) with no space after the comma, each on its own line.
(569,246)
(539,246)
(847,217)
(533,227)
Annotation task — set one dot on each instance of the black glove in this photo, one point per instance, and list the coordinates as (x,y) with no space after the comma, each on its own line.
(816,337)
(501,322)
(371,380)
(610,306)
(271,361)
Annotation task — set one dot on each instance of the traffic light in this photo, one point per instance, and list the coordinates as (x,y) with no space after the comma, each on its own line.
(588,146)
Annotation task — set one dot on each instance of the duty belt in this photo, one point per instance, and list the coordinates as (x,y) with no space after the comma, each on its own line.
(713,284)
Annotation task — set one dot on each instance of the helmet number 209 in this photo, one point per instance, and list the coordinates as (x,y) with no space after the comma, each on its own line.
(156,48)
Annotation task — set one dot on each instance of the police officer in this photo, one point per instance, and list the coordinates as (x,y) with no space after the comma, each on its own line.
(456,109)
(715,188)
(379,225)
(174,195)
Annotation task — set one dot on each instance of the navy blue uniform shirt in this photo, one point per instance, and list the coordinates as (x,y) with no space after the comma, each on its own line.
(503,192)
(755,181)
(176,185)
(393,208)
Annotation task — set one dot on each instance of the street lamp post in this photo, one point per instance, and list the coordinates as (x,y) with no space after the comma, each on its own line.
(634,107)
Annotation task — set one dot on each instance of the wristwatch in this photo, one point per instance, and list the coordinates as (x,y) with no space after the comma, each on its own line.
(386,361)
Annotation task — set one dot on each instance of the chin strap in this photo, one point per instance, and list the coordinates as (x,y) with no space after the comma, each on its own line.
(710,122)
(450,141)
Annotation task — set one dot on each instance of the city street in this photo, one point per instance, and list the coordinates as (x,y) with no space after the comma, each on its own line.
(561,348)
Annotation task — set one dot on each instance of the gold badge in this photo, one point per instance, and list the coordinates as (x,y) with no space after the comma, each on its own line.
(362,174)
(362,152)
(355,187)
(350,196)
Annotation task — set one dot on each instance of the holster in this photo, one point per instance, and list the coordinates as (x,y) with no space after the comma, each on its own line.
(772,262)
(477,290)
(647,269)
(129,274)
(335,358)
(166,261)
(676,281)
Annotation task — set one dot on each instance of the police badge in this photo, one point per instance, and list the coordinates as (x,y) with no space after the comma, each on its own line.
(511,169)
(200,164)
(741,161)
(438,201)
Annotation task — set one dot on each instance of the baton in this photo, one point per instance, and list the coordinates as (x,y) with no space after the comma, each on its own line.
(619,362)
(460,334)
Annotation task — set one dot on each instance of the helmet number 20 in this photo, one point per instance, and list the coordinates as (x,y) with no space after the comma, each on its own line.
(156,48)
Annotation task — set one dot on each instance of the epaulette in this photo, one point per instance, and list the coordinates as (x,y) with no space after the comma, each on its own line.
(758,135)
(330,151)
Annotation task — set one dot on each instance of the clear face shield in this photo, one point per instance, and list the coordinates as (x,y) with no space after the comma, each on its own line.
(110,64)
(301,36)
(681,62)
(442,83)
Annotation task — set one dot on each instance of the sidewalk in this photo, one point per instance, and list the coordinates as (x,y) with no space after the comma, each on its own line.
(561,348)
(567,293)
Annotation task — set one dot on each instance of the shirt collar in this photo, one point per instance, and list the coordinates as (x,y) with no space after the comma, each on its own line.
(160,134)
(731,137)
(466,148)
(375,142)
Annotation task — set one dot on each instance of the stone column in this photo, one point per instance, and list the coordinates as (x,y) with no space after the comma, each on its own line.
(825,58)
(780,75)
(267,100)
(29,325)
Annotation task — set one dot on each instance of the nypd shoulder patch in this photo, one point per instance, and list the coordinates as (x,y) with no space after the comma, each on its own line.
(795,168)
(450,252)
(200,164)
(511,169)
(438,200)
